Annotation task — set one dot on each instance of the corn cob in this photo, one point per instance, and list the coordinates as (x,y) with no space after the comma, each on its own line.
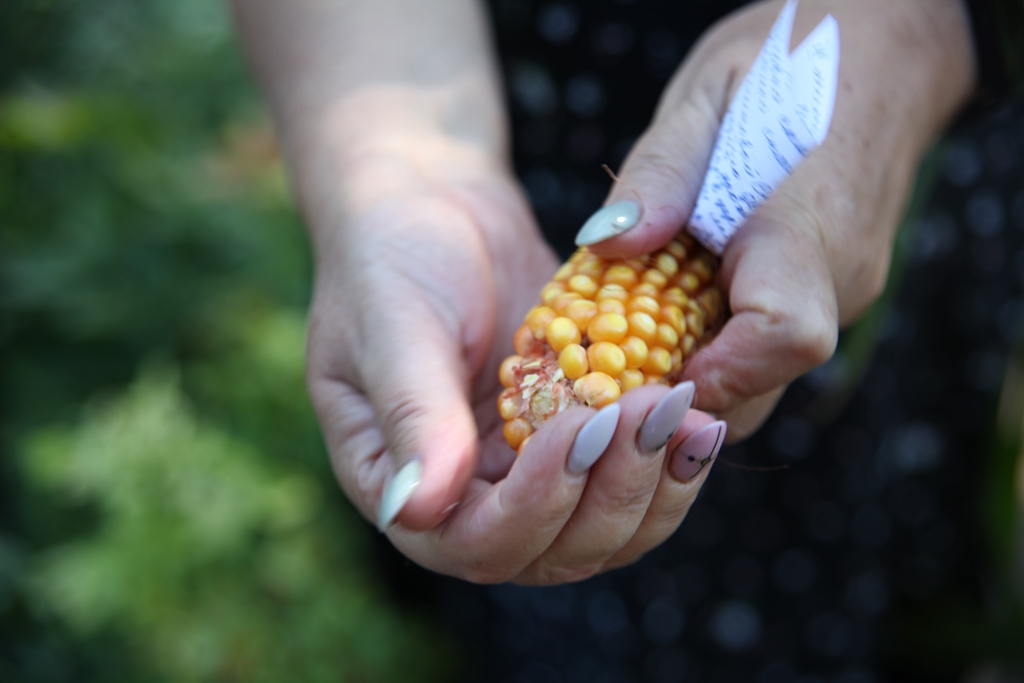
(606,326)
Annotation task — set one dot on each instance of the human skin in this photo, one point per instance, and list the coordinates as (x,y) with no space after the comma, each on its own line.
(427,257)
(816,254)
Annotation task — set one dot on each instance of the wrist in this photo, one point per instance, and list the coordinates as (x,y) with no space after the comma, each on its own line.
(940,54)
(384,144)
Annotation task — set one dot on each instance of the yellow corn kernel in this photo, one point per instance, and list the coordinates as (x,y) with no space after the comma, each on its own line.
(611,306)
(667,336)
(674,296)
(711,300)
(689,283)
(597,389)
(644,304)
(630,379)
(644,326)
(613,291)
(564,272)
(609,327)
(523,340)
(551,290)
(703,269)
(607,358)
(635,350)
(659,361)
(561,302)
(655,278)
(573,361)
(517,431)
(677,357)
(687,345)
(677,250)
(593,267)
(695,324)
(645,289)
(583,285)
(506,373)
(673,315)
(582,312)
(621,275)
(561,332)
(538,320)
(508,407)
(653,379)
(666,263)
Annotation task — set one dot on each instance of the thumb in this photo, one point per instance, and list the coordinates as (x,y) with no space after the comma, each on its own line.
(417,384)
(784,313)
(657,187)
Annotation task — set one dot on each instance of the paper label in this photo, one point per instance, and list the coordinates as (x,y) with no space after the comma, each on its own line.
(780,113)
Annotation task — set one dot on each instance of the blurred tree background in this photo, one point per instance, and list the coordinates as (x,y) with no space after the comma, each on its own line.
(166,508)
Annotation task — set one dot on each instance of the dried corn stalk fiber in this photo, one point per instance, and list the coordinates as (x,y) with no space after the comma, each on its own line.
(604,327)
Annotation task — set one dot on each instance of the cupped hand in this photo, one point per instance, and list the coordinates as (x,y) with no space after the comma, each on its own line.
(418,293)
(816,254)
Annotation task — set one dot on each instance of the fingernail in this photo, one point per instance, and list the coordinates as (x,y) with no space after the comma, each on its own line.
(593,439)
(609,221)
(664,420)
(697,452)
(398,492)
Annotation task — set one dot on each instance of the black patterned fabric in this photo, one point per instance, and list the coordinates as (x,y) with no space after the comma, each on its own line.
(835,568)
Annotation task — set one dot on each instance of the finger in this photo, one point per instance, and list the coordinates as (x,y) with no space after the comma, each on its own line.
(659,181)
(658,184)
(418,387)
(502,528)
(620,488)
(691,454)
(785,314)
(747,417)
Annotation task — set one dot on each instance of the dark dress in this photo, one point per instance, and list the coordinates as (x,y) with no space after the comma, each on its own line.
(835,568)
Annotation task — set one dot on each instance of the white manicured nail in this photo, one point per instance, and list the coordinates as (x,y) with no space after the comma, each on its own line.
(665,418)
(592,440)
(398,492)
(609,221)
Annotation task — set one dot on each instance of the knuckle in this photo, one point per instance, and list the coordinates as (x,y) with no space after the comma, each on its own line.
(650,164)
(814,338)
(667,517)
(631,499)
(399,407)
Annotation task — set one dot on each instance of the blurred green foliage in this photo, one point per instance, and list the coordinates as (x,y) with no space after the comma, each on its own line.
(166,508)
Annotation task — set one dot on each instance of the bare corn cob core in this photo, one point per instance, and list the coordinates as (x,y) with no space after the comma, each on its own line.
(606,326)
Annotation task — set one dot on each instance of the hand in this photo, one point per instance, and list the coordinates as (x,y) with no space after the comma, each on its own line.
(418,294)
(427,260)
(816,254)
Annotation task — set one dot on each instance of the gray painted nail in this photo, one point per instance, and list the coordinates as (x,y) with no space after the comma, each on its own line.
(609,221)
(398,493)
(593,439)
(664,420)
(693,455)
